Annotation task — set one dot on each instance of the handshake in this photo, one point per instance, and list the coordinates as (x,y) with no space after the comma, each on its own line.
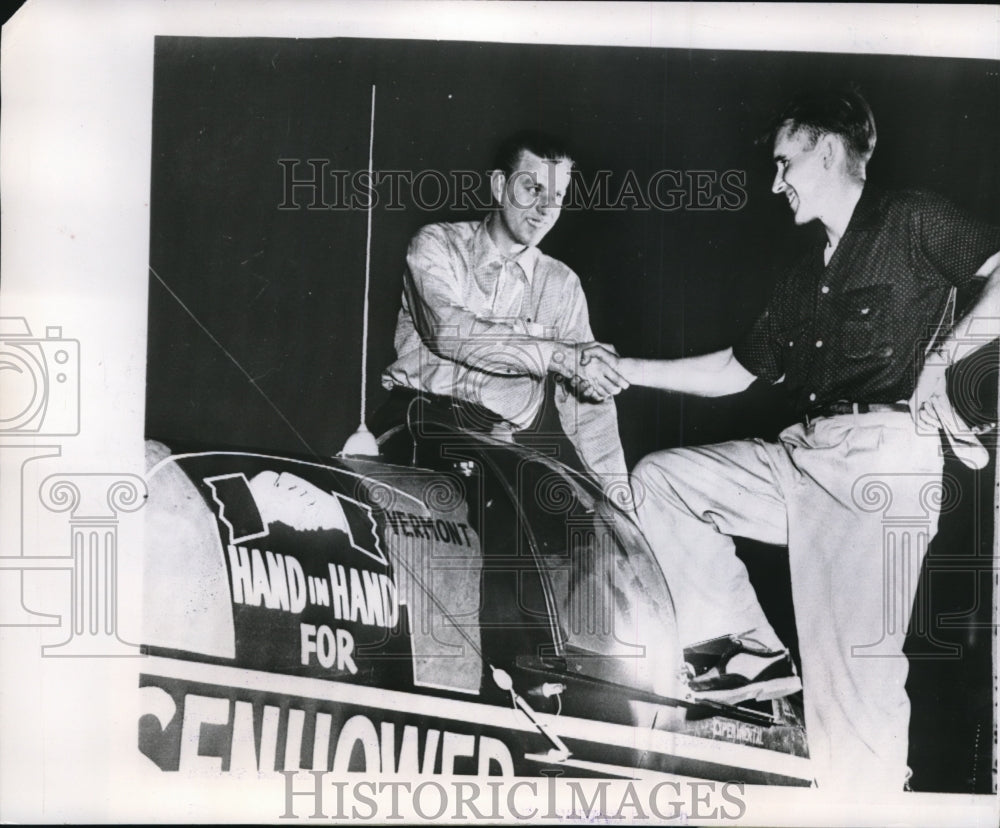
(591,369)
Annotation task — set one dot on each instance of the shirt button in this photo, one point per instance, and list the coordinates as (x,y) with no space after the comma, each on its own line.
(819,343)
(812,398)
(824,289)
(790,343)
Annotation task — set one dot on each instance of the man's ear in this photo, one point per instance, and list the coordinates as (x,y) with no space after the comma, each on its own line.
(830,148)
(498,181)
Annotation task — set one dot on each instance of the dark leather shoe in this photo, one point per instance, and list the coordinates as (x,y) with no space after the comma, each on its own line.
(710,679)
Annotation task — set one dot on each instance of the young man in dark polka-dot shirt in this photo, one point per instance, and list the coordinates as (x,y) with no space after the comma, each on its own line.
(842,332)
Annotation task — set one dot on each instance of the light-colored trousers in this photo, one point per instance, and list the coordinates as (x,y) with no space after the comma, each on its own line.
(856,499)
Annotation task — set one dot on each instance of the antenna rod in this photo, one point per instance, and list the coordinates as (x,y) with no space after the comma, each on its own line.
(368,262)
(362,443)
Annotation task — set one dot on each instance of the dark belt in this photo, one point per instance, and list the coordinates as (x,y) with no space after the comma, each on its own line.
(451,410)
(841,407)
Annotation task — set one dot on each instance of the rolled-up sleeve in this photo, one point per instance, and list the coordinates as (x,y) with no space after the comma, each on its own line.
(434,286)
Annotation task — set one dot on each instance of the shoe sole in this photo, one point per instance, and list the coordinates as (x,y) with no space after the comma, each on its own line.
(776,688)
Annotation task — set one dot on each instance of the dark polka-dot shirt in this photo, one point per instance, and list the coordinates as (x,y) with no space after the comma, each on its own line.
(855,330)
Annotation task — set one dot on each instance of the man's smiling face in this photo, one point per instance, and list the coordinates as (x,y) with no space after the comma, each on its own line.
(530,199)
(800,174)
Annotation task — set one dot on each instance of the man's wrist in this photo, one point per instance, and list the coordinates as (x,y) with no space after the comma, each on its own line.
(563,360)
(629,368)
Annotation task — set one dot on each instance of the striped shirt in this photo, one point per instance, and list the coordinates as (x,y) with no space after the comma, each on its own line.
(479,326)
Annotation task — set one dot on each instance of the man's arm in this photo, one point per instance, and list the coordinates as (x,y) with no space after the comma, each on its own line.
(984,315)
(710,375)
(930,404)
(434,286)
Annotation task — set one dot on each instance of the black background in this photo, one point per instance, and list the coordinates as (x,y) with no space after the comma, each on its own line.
(255,312)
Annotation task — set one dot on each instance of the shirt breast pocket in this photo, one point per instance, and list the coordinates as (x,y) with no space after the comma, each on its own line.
(864,328)
(793,339)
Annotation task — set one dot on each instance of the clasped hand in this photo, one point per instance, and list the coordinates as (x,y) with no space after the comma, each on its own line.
(930,404)
(597,374)
(932,409)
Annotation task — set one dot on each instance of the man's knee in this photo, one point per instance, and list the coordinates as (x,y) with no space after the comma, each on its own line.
(653,476)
